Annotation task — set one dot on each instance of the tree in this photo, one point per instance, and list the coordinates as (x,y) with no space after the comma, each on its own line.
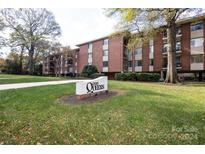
(88,70)
(145,23)
(29,27)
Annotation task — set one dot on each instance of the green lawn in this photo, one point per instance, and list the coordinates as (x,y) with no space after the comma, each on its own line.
(148,113)
(8,78)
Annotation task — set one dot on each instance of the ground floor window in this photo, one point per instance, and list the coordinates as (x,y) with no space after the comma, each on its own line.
(138,62)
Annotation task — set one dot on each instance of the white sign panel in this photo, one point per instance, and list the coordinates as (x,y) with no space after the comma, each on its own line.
(91,86)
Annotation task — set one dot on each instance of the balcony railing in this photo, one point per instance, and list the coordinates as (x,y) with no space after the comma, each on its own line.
(178,64)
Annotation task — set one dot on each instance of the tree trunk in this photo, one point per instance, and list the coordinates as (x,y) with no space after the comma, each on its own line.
(30,61)
(171,76)
(21,60)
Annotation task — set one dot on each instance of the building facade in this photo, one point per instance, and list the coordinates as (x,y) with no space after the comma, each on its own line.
(110,55)
(60,64)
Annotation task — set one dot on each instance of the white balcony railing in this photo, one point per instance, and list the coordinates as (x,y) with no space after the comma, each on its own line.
(105,47)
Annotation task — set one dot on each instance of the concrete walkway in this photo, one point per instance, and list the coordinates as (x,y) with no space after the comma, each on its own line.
(34,84)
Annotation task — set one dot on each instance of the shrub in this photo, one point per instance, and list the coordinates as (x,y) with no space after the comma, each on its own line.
(148,76)
(89,70)
(137,76)
(125,76)
(96,75)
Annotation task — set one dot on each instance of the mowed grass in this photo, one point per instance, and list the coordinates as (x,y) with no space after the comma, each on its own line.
(9,78)
(147,113)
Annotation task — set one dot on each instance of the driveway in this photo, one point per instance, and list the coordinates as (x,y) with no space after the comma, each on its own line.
(34,84)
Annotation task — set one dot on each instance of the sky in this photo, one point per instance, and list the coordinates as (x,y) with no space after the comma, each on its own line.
(81,25)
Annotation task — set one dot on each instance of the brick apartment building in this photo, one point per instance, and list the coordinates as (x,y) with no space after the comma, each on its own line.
(60,64)
(110,55)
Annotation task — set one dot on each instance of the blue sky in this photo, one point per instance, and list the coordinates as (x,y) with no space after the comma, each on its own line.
(80,25)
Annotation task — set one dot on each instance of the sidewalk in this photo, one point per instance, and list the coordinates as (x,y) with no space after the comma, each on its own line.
(34,84)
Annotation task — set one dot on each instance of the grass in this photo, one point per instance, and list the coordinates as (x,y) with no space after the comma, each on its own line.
(148,113)
(9,78)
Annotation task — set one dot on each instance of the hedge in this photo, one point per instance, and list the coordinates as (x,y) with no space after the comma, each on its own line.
(137,76)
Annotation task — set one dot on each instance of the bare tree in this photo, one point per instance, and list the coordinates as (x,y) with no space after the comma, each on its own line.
(31,26)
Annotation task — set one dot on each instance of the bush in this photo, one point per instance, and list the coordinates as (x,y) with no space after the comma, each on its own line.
(148,76)
(137,76)
(88,70)
(96,75)
(126,76)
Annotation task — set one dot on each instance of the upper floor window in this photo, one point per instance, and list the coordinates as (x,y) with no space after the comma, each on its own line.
(151,49)
(197,26)
(90,45)
(105,53)
(197,42)
(178,30)
(138,51)
(178,46)
(89,55)
(105,42)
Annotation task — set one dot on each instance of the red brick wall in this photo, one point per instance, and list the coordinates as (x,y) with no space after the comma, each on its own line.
(185,56)
(145,57)
(158,57)
(115,54)
(83,57)
(98,54)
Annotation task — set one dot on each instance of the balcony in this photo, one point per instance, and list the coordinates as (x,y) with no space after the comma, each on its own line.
(197,33)
(105,58)
(178,65)
(197,50)
(130,69)
(197,66)
(105,47)
(138,68)
(90,50)
(105,69)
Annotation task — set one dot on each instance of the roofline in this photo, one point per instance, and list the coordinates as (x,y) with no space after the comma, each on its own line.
(179,22)
(104,37)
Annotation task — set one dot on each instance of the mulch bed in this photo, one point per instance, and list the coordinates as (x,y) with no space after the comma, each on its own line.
(72,99)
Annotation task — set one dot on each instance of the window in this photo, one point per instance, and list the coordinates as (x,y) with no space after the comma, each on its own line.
(165,48)
(151,62)
(197,26)
(138,63)
(178,30)
(151,49)
(69,61)
(105,64)
(89,55)
(164,33)
(129,63)
(138,51)
(178,46)
(178,61)
(105,42)
(197,59)
(197,42)
(129,54)
(90,45)
(105,53)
